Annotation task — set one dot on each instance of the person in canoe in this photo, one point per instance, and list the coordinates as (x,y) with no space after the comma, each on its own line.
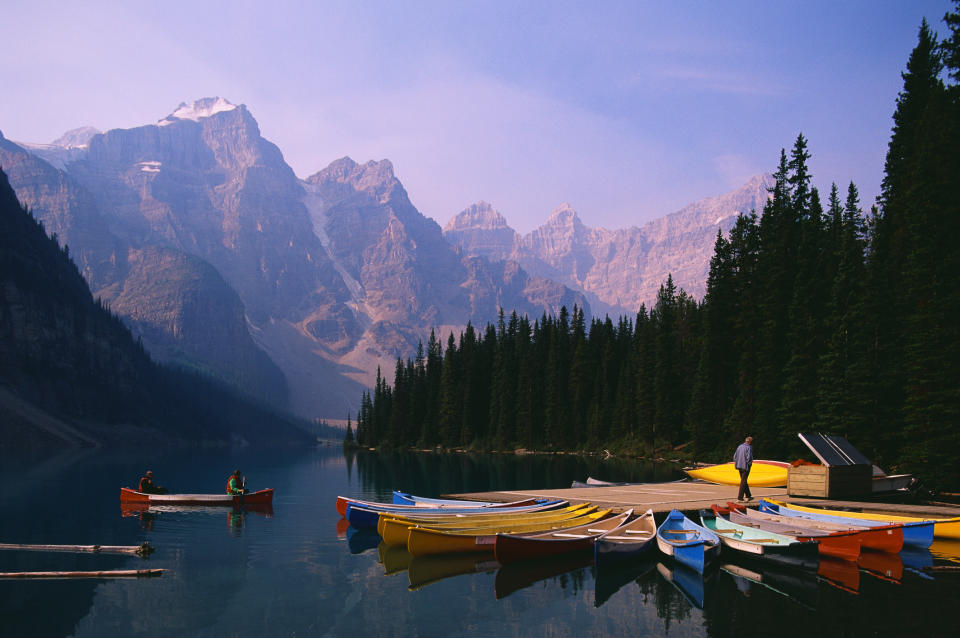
(743,461)
(236,483)
(147,487)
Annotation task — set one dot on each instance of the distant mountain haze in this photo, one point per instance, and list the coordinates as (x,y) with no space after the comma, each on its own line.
(617,270)
(201,237)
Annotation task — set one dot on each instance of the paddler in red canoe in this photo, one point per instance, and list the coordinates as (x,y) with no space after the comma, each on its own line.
(236,484)
(147,487)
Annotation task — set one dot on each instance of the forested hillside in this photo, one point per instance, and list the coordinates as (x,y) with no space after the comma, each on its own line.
(817,316)
(70,372)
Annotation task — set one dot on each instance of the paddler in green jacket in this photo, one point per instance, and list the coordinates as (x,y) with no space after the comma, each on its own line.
(235,484)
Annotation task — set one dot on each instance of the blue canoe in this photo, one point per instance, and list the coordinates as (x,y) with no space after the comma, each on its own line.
(919,534)
(689,544)
(403,498)
(366,516)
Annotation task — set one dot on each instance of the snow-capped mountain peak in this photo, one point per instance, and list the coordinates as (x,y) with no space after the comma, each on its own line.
(204,107)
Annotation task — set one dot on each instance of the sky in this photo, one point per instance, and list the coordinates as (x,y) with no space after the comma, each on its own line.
(627,111)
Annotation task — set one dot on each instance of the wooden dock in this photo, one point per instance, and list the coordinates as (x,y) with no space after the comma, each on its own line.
(693,495)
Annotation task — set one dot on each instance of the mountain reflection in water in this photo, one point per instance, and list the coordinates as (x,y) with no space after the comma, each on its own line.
(299,570)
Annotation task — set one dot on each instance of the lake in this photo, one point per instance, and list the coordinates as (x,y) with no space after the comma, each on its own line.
(298,571)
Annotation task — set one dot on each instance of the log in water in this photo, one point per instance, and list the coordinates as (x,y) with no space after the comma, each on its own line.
(118,573)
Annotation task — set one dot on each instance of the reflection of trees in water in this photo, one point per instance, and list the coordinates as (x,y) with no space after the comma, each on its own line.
(669,603)
(432,473)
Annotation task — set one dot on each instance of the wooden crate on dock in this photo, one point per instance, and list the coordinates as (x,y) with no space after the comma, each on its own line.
(825,481)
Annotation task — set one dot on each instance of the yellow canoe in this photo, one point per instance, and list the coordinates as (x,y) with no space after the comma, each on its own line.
(423,541)
(942,527)
(762,474)
(468,520)
(395,531)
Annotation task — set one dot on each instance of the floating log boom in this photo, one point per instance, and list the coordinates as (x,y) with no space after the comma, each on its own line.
(143,550)
(118,573)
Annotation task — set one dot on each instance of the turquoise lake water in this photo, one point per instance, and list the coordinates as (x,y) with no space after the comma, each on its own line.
(299,571)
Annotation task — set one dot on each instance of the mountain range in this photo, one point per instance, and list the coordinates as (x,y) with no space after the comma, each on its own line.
(197,233)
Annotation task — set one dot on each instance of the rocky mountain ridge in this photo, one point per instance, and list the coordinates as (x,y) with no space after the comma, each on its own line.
(618,270)
(336,273)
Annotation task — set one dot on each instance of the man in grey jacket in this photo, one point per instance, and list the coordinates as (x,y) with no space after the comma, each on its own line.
(743,461)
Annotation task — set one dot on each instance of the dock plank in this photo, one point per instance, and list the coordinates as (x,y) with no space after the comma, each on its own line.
(693,495)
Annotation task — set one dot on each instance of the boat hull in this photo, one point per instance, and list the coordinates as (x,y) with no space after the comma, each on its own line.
(915,533)
(762,474)
(688,543)
(512,548)
(633,540)
(770,546)
(261,497)
(395,532)
(423,541)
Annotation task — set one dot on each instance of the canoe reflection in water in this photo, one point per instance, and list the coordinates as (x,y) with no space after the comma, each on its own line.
(426,570)
(608,579)
(687,581)
(798,585)
(149,513)
(395,559)
(517,576)
(362,540)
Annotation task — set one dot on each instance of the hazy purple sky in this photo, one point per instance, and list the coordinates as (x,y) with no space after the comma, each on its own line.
(627,111)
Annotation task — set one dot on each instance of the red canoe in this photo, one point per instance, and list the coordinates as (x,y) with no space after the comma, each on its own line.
(511,548)
(261,497)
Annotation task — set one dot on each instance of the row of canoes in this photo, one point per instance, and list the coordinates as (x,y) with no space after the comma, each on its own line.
(518,531)
(787,534)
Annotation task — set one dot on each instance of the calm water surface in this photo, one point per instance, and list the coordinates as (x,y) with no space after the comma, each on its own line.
(299,572)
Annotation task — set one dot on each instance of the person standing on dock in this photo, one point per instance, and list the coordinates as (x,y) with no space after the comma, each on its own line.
(743,461)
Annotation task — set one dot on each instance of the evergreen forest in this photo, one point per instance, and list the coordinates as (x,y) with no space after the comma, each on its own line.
(818,316)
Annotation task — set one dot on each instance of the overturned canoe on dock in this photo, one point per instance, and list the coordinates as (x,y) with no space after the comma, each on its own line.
(762,474)
(261,497)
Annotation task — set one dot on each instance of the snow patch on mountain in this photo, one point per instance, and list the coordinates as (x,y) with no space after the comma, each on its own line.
(205,107)
(317,210)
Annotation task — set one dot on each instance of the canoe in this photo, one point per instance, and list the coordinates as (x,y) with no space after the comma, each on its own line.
(885,538)
(261,497)
(917,534)
(512,548)
(403,498)
(629,541)
(453,519)
(690,583)
(688,543)
(396,531)
(344,501)
(423,541)
(942,527)
(762,474)
(367,516)
(758,543)
(843,545)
